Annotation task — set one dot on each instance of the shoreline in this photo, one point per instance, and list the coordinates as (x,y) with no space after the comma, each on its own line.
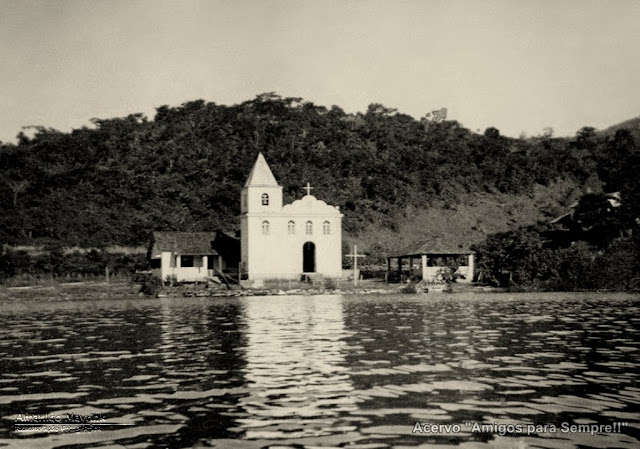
(125,289)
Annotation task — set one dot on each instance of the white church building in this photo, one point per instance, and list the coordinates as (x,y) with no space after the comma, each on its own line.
(286,241)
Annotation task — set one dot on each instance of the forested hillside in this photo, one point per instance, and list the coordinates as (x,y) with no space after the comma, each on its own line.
(184,168)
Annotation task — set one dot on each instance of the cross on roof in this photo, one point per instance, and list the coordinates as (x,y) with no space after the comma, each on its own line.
(308,189)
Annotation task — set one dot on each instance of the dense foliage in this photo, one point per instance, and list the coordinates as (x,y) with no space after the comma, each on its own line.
(57,263)
(183,170)
(595,246)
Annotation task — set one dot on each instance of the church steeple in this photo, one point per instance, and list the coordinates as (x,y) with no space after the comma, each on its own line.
(261,193)
(261,174)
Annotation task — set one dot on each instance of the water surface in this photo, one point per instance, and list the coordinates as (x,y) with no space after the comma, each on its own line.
(326,371)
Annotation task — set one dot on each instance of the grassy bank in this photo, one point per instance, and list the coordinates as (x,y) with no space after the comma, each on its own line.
(89,290)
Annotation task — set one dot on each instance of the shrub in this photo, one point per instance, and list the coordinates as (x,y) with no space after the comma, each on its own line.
(78,263)
(330,284)
(150,284)
(13,263)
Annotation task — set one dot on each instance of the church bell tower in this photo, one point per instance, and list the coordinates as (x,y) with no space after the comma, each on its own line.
(260,204)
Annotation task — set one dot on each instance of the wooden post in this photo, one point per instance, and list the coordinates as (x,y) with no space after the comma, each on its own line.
(106,274)
(354,255)
(386,275)
(424,267)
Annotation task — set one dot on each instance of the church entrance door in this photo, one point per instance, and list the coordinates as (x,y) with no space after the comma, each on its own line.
(309,257)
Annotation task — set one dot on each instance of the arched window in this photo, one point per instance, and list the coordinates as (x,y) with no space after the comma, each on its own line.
(265,227)
(326,228)
(292,227)
(308,228)
(265,199)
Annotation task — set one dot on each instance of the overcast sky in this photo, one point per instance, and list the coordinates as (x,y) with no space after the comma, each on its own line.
(520,66)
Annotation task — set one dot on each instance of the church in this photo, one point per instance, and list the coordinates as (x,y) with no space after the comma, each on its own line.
(286,241)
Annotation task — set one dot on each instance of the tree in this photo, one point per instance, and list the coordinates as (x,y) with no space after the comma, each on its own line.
(17,187)
(599,219)
(492,133)
(613,162)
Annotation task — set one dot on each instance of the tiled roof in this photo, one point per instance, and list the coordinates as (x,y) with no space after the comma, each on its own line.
(183,243)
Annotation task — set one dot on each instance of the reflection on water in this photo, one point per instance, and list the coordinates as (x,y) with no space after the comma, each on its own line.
(326,371)
(298,381)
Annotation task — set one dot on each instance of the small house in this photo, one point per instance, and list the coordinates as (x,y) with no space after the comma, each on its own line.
(193,256)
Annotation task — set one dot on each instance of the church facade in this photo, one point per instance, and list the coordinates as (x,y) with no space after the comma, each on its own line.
(286,241)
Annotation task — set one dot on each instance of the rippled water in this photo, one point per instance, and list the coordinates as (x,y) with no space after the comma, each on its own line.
(326,371)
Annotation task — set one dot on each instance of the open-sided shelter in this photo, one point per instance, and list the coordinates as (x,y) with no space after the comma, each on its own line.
(427,260)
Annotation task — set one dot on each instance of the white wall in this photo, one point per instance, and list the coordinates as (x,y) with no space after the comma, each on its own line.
(170,268)
(279,255)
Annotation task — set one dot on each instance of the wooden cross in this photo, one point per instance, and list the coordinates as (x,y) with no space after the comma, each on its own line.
(354,255)
(308,188)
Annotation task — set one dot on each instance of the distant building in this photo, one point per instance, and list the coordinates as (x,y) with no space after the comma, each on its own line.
(286,241)
(572,226)
(193,256)
(426,261)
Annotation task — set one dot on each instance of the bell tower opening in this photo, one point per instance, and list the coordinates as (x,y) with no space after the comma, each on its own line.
(309,257)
